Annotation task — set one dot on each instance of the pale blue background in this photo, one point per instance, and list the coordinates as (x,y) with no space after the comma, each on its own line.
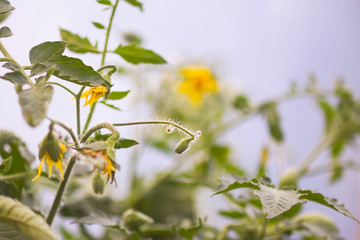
(260,45)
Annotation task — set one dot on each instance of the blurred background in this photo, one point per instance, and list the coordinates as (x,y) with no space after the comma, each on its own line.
(253,47)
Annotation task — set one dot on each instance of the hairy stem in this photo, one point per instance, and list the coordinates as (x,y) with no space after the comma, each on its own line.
(157,122)
(106,125)
(10,59)
(60,191)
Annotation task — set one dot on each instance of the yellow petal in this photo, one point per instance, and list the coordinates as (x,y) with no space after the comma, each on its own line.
(50,164)
(58,165)
(39,170)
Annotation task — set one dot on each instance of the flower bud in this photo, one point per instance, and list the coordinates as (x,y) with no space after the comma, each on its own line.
(183,145)
(98,183)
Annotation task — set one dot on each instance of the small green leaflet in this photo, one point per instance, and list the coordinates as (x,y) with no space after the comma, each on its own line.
(125,143)
(5,32)
(98,25)
(135,55)
(135,3)
(105,2)
(5,7)
(34,103)
(15,77)
(117,95)
(66,68)
(76,43)
(109,105)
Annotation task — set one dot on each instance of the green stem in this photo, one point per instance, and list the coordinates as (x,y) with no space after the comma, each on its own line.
(263,228)
(4,59)
(92,109)
(78,122)
(69,130)
(157,122)
(17,176)
(60,191)
(89,117)
(98,127)
(10,59)
(60,85)
(108,32)
(310,158)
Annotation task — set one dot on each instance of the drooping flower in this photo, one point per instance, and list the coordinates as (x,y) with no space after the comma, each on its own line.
(51,151)
(93,94)
(102,157)
(198,80)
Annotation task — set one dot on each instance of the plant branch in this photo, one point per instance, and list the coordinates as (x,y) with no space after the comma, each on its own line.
(10,59)
(60,85)
(69,130)
(310,158)
(78,122)
(56,203)
(106,125)
(108,32)
(158,122)
(89,117)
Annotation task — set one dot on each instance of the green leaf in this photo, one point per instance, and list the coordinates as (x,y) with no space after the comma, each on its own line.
(105,2)
(66,68)
(125,143)
(34,103)
(328,202)
(5,32)
(233,214)
(117,95)
(12,66)
(133,220)
(276,201)
(135,55)
(244,183)
(96,219)
(9,233)
(24,220)
(132,38)
(328,112)
(318,226)
(76,43)
(98,25)
(241,102)
(110,105)
(13,147)
(157,231)
(15,77)
(40,68)
(5,165)
(189,233)
(5,7)
(273,121)
(135,3)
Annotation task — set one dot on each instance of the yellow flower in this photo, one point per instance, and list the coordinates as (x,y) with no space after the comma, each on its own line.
(102,158)
(93,94)
(51,151)
(197,81)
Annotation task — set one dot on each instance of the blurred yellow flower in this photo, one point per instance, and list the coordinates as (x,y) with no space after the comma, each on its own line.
(93,94)
(99,156)
(197,81)
(51,151)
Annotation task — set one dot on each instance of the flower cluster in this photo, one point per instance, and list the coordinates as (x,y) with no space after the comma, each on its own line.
(198,80)
(51,151)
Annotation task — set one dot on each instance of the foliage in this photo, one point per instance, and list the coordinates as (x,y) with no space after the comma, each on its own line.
(164,205)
